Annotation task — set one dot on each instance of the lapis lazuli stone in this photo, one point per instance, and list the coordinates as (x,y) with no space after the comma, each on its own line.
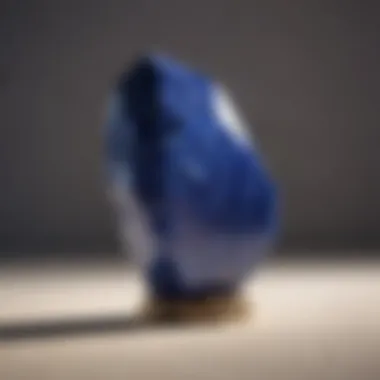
(196,205)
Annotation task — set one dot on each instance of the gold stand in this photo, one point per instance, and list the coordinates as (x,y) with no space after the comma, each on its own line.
(210,310)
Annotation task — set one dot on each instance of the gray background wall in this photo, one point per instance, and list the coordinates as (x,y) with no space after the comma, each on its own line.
(306,74)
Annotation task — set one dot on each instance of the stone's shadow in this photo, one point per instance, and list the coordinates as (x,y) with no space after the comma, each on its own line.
(77,327)
(156,315)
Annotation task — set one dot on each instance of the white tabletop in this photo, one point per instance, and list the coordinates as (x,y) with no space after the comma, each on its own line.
(312,321)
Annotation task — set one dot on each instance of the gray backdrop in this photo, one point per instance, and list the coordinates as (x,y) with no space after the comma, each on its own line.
(306,74)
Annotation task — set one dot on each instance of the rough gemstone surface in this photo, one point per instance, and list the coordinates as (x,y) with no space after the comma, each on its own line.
(196,205)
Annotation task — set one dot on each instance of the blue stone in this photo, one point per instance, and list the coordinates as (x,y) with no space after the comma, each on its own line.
(196,204)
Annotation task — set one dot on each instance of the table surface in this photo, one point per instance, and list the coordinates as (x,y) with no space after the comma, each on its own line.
(312,321)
